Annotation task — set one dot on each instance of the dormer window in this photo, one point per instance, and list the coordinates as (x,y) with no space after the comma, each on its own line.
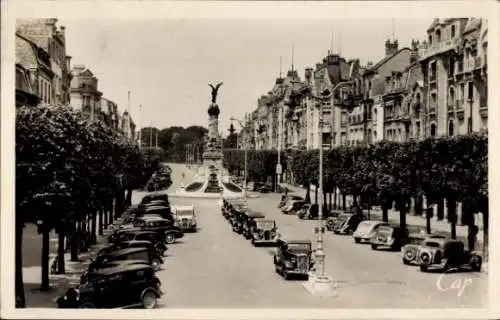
(453,31)
(438,35)
(430,40)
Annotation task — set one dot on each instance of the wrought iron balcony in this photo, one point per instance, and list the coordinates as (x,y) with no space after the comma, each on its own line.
(483,111)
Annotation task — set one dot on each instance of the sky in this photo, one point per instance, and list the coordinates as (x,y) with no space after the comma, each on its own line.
(167,64)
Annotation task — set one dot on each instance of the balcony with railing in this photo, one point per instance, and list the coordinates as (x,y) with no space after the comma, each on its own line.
(483,111)
(438,48)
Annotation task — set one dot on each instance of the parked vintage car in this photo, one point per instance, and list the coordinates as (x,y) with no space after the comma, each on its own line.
(262,187)
(139,234)
(366,229)
(185,218)
(132,244)
(152,196)
(293,206)
(238,217)
(91,270)
(145,254)
(293,257)
(162,226)
(159,210)
(345,223)
(286,198)
(119,287)
(392,237)
(310,211)
(264,231)
(247,218)
(446,254)
(233,207)
(409,251)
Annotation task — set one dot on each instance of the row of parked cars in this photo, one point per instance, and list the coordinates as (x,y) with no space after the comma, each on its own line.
(416,247)
(123,274)
(292,257)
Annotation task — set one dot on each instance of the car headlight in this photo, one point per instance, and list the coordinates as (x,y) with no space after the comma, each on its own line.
(293,260)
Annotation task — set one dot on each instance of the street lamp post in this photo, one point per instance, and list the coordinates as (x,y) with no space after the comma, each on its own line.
(246,159)
(320,283)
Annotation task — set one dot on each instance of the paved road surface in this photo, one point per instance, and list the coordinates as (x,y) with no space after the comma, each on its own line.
(216,268)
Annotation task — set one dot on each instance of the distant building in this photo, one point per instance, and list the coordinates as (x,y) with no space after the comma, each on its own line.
(36,62)
(85,95)
(109,113)
(51,38)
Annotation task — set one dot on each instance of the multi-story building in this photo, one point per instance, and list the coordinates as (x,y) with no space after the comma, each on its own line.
(434,88)
(85,95)
(109,113)
(51,38)
(337,75)
(442,83)
(375,79)
(40,71)
(401,122)
(468,106)
(27,73)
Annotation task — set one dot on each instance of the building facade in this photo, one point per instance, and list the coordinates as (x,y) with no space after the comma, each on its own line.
(27,73)
(36,62)
(85,95)
(433,88)
(51,38)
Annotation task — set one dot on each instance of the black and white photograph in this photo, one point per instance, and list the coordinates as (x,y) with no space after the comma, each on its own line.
(248,156)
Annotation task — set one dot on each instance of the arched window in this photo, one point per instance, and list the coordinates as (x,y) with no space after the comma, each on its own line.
(433,130)
(451,128)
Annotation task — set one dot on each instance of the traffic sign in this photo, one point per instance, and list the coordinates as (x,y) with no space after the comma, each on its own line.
(278,169)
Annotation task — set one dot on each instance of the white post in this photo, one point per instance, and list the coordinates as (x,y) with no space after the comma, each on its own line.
(280,129)
(320,255)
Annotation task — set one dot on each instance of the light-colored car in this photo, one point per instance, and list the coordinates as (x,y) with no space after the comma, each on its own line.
(366,229)
(185,218)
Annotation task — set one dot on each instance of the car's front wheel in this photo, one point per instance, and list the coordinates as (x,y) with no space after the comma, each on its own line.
(170,238)
(374,246)
(149,300)
(424,267)
(286,275)
(357,240)
(475,263)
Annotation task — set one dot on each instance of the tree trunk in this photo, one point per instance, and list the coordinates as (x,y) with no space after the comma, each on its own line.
(330,199)
(419,200)
(429,213)
(45,286)
(111,215)
(402,213)
(440,213)
(325,203)
(60,251)
(308,193)
(335,198)
(101,216)
(355,200)
(128,200)
(74,242)
(385,211)
(83,237)
(344,202)
(485,212)
(20,298)
(452,216)
(93,238)
(316,194)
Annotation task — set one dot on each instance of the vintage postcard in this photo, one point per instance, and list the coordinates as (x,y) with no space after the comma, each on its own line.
(230,160)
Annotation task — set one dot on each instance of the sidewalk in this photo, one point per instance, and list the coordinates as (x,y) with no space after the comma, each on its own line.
(59,284)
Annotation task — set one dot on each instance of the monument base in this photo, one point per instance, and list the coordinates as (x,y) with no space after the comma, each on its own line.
(321,286)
